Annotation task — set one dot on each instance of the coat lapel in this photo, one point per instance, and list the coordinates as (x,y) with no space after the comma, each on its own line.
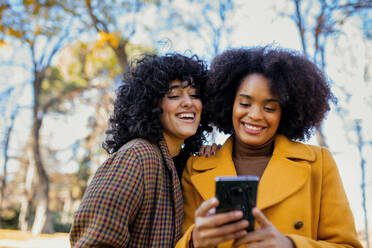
(287,171)
(220,164)
(177,193)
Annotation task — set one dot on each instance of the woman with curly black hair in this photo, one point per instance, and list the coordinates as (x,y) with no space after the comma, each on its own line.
(268,99)
(135,198)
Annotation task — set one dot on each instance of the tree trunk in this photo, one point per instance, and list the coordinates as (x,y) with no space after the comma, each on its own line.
(121,54)
(6,157)
(67,206)
(42,221)
(358,130)
(26,199)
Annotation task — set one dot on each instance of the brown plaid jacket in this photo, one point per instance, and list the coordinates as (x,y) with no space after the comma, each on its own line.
(133,200)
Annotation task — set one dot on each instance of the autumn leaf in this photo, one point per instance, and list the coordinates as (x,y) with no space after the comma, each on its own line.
(107,38)
(15,33)
(3,44)
(38,30)
(28,2)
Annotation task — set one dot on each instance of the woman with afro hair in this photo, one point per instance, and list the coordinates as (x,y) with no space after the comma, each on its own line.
(268,99)
(135,198)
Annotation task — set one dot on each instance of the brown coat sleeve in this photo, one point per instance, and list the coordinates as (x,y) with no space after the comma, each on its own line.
(110,203)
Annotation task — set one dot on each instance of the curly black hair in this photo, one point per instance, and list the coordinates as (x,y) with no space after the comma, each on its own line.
(302,88)
(136,107)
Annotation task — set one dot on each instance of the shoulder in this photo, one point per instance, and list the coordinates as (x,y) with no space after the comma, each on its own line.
(287,148)
(140,147)
(133,155)
(302,151)
(322,153)
(222,156)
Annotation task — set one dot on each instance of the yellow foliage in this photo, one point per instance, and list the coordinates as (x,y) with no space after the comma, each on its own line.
(110,38)
(30,42)
(3,43)
(28,2)
(46,85)
(38,30)
(15,33)
(36,10)
(2,8)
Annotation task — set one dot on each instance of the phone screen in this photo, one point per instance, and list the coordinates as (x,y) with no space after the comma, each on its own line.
(237,193)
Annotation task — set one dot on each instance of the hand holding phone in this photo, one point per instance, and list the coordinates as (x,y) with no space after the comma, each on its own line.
(237,193)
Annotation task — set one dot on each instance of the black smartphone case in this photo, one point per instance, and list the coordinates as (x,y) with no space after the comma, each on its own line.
(237,193)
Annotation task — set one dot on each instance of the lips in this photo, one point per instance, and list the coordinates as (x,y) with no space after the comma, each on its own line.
(186,116)
(253,129)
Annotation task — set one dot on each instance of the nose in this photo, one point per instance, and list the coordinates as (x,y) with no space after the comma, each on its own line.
(186,100)
(255,113)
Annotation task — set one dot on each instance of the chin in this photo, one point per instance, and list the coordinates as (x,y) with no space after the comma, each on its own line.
(188,134)
(252,142)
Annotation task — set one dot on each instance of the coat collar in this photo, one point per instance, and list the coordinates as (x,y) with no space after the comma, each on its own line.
(286,173)
(177,192)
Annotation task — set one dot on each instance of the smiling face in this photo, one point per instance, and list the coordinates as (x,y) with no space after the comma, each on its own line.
(256,111)
(181,112)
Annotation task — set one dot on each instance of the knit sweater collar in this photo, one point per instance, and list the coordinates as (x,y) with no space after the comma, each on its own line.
(242,150)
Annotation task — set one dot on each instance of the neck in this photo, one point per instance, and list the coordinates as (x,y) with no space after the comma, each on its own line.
(174,145)
(242,150)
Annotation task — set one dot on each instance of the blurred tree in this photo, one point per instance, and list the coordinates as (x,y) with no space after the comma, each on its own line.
(5,144)
(8,133)
(115,22)
(316,22)
(360,145)
(96,66)
(213,26)
(9,110)
(207,24)
(43,27)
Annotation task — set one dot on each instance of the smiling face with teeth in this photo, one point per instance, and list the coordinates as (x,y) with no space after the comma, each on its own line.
(181,113)
(256,111)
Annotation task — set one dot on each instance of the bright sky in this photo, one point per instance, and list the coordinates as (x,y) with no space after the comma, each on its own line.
(256,23)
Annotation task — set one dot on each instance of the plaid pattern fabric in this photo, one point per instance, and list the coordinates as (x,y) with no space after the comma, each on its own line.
(133,200)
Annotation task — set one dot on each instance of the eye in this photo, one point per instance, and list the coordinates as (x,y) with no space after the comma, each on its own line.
(270,109)
(193,93)
(174,94)
(245,104)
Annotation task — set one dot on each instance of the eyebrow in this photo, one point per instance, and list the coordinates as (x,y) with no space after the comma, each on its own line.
(266,100)
(176,86)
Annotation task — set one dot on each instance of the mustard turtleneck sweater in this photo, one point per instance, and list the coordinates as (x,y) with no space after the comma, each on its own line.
(251,160)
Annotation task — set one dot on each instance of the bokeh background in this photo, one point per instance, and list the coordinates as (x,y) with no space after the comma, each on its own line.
(61,60)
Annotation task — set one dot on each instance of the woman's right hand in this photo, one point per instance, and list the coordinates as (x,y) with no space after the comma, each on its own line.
(212,229)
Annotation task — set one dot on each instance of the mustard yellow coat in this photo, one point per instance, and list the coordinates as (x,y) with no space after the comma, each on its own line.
(301,184)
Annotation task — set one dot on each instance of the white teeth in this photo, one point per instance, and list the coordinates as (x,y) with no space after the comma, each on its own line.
(186,115)
(252,127)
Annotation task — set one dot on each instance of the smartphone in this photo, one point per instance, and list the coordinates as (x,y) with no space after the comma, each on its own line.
(237,193)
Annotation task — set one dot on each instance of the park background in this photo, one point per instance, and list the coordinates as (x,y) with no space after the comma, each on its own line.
(61,60)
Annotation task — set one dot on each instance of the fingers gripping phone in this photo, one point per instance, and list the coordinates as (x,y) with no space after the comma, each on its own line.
(237,193)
